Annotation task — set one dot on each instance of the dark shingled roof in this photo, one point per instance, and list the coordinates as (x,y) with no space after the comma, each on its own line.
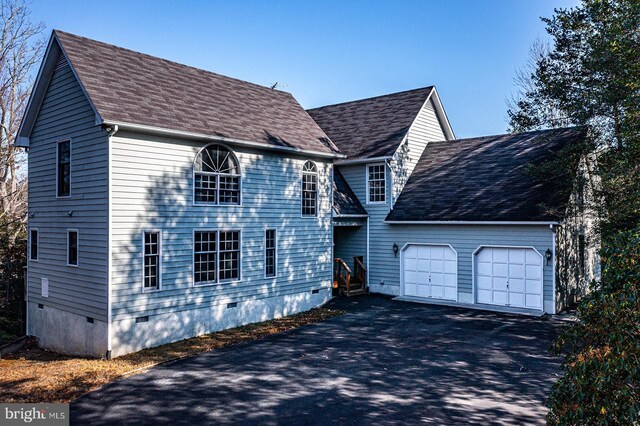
(345,201)
(485,179)
(134,88)
(372,127)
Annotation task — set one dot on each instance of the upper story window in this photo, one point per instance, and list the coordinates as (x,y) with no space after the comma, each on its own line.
(63,169)
(72,247)
(217,178)
(33,244)
(376,183)
(309,189)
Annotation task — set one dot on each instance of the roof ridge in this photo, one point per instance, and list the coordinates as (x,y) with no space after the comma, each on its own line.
(372,97)
(169,61)
(508,134)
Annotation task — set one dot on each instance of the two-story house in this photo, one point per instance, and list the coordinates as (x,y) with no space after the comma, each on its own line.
(167,201)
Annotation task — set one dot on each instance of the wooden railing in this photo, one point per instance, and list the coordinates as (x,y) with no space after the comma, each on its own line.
(350,283)
(359,270)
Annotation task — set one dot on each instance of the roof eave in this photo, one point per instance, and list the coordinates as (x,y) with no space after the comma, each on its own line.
(141,128)
(362,160)
(469,222)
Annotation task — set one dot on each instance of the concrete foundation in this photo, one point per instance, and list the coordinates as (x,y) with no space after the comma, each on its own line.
(132,335)
(67,333)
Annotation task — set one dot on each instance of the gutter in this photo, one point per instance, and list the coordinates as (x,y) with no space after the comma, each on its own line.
(350,215)
(464,222)
(200,136)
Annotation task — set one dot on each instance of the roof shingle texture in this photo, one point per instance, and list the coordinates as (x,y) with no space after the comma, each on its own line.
(345,201)
(135,88)
(485,179)
(372,127)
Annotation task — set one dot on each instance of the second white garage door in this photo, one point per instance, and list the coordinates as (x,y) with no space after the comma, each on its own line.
(509,277)
(430,271)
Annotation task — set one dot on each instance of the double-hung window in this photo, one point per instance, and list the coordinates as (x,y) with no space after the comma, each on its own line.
(216,256)
(151,262)
(63,169)
(216,176)
(33,244)
(376,183)
(309,189)
(270,256)
(72,247)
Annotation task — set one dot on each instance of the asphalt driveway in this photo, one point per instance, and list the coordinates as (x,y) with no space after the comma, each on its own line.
(383,362)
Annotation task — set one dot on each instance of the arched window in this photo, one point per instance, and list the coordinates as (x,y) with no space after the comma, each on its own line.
(309,189)
(216,176)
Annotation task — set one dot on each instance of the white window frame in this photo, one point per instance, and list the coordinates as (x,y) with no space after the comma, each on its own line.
(275,252)
(193,257)
(238,175)
(366,177)
(58,165)
(77,247)
(159,286)
(317,191)
(37,244)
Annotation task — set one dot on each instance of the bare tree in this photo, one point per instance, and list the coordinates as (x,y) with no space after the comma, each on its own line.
(527,108)
(21,46)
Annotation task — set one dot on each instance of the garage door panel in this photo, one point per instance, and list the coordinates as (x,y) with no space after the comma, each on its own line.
(484,268)
(532,257)
(500,297)
(533,286)
(437,278)
(451,293)
(410,277)
(450,267)
(516,270)
(509,277)
(533,271)
(450,280)
(423,253)
(516,285)
(533,300)
(484,283)
(484,296)
(410,289)
(516,299)
(500,270)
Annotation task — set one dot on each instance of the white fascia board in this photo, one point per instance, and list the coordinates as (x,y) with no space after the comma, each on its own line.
(463,222)
(362,161)
(40,87)
(442,115)
(350,215)
(140,128)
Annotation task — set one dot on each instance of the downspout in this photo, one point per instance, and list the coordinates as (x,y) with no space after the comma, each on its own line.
(391,201)
(111,131)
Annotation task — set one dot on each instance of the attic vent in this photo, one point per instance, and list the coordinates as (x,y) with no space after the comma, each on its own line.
(62,62)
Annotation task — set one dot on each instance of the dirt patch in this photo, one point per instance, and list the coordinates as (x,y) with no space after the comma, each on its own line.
(38,375)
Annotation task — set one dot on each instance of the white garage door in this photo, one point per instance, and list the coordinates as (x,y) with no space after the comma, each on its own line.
(430,271)
(509,277)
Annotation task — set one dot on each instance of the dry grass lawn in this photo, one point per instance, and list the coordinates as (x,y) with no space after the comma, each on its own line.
(37,375)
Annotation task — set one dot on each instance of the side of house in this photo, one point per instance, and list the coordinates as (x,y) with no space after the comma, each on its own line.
(278,257)
(68,211)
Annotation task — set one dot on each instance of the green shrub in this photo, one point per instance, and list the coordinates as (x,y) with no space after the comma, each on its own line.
(601,381)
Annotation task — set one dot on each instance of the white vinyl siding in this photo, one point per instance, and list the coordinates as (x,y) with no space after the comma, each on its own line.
(66,114)
(152,188)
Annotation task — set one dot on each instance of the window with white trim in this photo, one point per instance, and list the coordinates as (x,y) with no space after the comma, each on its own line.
(72,247)
(216,176)
(376,183)
(309,189)
(270,257)
(216,256)
(33,244)
(152,250)
(63,169)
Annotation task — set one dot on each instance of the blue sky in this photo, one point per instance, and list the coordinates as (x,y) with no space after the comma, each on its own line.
(333,51)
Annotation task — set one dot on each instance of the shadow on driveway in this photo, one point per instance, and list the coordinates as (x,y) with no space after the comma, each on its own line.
(383,362)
